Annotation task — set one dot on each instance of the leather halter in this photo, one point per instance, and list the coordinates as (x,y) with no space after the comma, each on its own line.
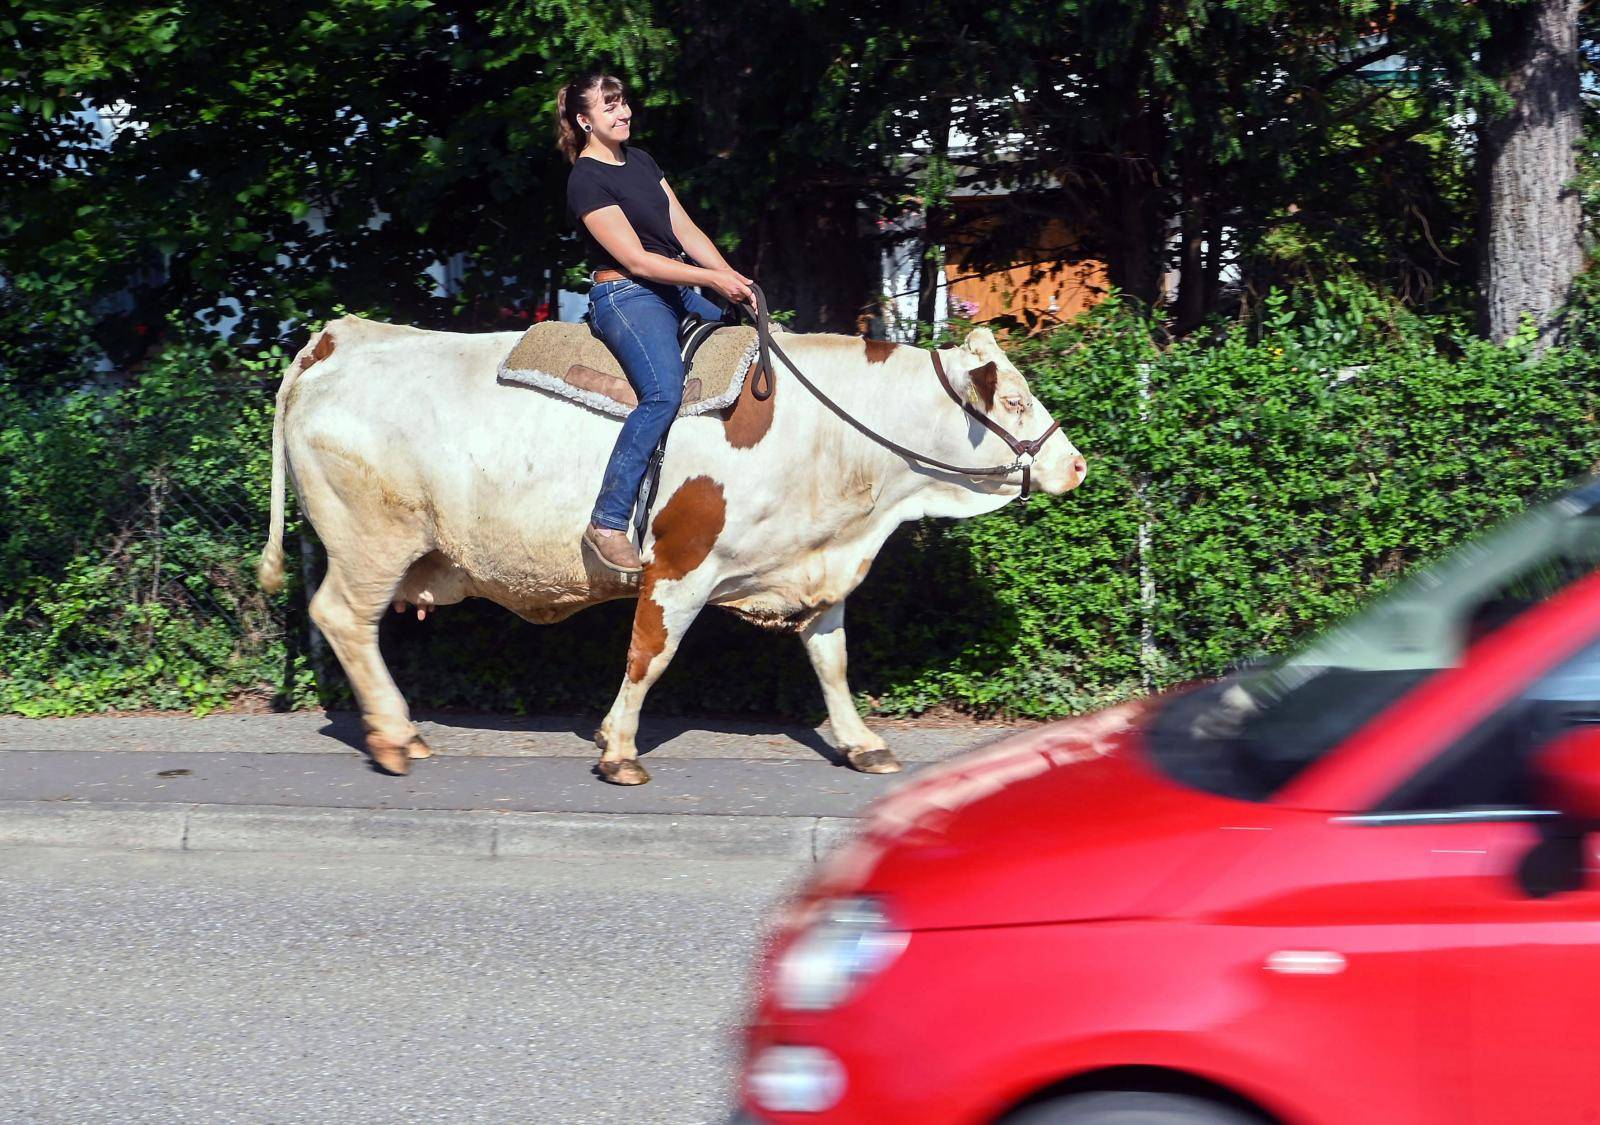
(761,389)
(1028,449)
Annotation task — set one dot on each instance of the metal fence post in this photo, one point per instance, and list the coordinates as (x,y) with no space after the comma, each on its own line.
(1148,654)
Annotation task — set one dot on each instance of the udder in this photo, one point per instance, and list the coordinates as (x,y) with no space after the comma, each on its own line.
(541,595)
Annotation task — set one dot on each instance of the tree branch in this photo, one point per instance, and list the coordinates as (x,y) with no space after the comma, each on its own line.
(1350,66)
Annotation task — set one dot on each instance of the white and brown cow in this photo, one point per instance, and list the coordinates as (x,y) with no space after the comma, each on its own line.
(428,481)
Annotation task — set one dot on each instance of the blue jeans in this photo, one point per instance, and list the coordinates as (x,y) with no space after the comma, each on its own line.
(638,320)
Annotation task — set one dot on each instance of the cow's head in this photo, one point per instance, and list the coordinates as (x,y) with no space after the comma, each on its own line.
(991,384)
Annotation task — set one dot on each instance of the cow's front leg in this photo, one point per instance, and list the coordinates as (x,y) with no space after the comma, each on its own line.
(824,641)
(661,618)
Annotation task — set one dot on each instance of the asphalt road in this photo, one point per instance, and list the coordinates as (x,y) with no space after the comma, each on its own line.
(174,987)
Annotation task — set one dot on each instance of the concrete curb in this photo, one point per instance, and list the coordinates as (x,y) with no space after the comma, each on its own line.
(265,828)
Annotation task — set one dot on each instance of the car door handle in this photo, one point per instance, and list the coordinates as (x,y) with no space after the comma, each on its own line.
(1306,962)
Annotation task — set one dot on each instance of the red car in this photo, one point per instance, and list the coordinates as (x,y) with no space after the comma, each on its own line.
(1349,885)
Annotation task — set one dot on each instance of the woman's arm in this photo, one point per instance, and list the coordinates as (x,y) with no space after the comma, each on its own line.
(691,237)
(612,230)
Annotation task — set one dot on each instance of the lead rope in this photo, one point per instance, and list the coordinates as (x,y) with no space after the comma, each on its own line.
(763,320)
(767,345)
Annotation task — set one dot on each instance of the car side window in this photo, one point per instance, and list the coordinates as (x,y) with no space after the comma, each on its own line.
(1491,766)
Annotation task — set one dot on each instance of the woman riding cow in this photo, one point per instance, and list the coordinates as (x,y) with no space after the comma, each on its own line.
(646,253)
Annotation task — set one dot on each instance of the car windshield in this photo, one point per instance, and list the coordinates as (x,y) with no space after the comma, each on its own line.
(1251,733)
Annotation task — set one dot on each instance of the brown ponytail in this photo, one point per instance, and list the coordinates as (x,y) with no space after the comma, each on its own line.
(576,97)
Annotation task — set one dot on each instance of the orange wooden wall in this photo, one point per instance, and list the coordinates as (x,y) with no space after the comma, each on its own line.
(1053,279)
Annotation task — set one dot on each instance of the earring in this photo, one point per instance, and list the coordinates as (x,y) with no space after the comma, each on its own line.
(588,128)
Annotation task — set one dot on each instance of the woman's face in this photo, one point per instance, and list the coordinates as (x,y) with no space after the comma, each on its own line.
(611,119)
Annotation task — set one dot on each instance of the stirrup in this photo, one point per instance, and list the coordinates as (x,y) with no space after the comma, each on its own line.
(648,488)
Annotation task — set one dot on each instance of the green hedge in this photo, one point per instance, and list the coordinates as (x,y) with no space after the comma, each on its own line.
(1287,483)
(135,510)
(1282,469)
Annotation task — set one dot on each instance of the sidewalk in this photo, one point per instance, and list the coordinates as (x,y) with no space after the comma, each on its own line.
(496,787)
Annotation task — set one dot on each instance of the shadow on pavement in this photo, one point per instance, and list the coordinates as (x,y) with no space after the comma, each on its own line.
(345,727)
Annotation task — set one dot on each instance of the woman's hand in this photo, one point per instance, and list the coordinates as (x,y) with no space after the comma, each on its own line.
(733,285)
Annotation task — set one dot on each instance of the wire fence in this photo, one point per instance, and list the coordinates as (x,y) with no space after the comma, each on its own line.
(128,586)
(200,550)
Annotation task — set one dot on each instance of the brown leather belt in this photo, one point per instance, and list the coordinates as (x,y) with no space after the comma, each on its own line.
(608,275)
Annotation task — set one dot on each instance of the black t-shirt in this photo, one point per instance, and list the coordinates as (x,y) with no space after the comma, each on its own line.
(635,186)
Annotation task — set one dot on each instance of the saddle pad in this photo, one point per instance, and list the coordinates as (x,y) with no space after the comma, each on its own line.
(566,359)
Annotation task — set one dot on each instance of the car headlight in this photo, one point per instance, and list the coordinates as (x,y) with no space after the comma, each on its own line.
(850,940)
(788,1079)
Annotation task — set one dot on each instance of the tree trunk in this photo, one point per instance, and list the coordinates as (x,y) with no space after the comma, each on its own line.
(929,266)
(1213,272)
(811,256)
(1135,244)
(1529,234)
(930,261)
(1189,309)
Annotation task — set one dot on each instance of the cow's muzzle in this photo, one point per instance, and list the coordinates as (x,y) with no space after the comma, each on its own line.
(1059,475)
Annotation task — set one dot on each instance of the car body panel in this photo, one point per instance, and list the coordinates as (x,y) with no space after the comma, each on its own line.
(1142,831)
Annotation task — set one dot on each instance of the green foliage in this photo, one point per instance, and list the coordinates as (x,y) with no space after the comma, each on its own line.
(1033,610)
(1287,484)
(126,574)
(1285,472)
(275,159)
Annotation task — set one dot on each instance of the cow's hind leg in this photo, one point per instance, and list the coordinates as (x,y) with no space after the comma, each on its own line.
(659,622)
(347,608)
(824,641)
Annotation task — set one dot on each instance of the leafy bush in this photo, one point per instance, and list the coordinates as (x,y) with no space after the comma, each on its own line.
(125,571)
(1288,482)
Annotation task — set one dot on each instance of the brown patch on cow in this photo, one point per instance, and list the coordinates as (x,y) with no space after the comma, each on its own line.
(749,418)
(686,529)
(985,380)
(879,351)
(649,637)
(321,350)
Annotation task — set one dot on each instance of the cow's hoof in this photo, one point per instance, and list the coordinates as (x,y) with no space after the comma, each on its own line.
(873,761)
(417,748)
(626,772)
(388,757)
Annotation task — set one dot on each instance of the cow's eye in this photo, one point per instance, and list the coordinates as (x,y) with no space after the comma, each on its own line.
(1015,403)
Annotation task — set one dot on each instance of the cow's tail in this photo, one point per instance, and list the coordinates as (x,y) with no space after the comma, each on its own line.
(270,570)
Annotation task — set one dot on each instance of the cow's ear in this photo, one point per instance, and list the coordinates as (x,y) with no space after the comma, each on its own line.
(981,343)
(982,381)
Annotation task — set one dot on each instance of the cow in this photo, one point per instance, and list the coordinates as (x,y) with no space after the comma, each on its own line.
(430,481)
